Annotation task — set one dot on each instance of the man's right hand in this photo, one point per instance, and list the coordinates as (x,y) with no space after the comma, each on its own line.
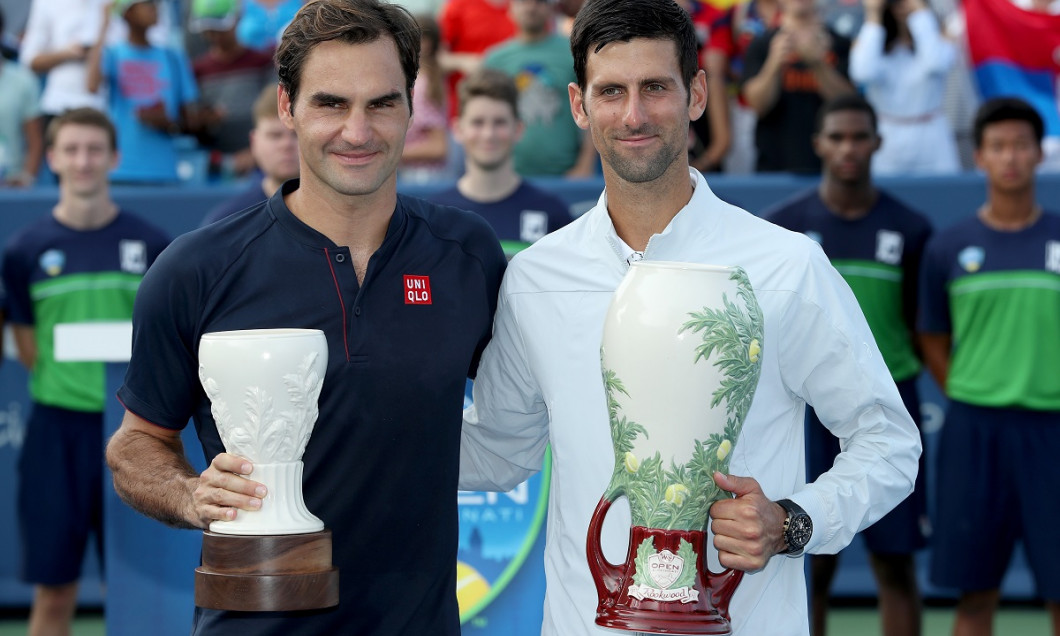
(223,490)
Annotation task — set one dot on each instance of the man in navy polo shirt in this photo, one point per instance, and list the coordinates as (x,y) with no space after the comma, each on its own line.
(334,251)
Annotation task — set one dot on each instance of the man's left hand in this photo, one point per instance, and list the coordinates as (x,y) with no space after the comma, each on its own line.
(749,529)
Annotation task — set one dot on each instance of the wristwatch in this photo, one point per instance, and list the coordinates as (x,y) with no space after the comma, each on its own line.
(798,528)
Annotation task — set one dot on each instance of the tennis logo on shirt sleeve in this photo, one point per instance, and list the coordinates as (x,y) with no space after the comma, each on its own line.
(417,290)
(1052,256)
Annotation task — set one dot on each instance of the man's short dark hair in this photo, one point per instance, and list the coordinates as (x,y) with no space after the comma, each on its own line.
(82,117)
(350,22)
(1001,109)
(847,101)
(601,22)
(491,83)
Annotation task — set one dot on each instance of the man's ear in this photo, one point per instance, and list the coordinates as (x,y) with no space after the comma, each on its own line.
(577,105)
(284,107)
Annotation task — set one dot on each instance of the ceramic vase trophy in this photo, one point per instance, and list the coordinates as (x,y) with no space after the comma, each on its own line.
(681,360)
(263,386)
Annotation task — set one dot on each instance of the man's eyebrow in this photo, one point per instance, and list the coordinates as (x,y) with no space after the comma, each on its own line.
(327,98)
(389,97)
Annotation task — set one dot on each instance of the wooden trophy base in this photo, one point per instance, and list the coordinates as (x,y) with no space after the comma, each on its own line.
(271,573)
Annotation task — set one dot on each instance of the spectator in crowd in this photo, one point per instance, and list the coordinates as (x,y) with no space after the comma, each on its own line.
(8,45)
(902,60)
(541,63)
(21,138)
(711,134)
(230,77)
(58,37)
(80,264)
(469,27)
(990,306)
(426,152)
(489,128)
(741,24)
(876,244)
(340,236)
(151,95)
(539,382)
(262,22)
(274,147)
(789,72)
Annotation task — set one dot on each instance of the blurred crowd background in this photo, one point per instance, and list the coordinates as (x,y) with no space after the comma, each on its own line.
(180,77)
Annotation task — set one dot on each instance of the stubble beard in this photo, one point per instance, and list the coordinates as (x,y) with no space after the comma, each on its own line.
(642,169)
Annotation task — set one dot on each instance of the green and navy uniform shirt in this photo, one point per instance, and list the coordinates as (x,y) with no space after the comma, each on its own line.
(879,257)
(998,295)
(54,274)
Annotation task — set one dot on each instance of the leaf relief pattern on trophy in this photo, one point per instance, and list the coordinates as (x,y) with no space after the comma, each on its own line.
(218,408)
(303,393)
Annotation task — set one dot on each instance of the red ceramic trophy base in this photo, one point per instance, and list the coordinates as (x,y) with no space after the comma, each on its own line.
(272,573)
(702,608)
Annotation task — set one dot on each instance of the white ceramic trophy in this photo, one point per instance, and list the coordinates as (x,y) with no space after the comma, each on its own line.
(263,386)
(681,357)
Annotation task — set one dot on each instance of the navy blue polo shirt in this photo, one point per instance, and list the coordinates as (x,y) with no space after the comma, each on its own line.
(519,219)
(381,465)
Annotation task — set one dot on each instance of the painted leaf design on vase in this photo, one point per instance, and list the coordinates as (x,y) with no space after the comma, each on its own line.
(679,496)
(645,551)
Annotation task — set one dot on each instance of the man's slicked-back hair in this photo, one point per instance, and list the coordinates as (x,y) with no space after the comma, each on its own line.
(601,22)
(350,22)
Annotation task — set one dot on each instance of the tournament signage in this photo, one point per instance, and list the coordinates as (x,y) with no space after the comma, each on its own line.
(500,557)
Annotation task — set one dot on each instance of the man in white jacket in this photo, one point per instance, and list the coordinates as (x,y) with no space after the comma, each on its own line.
(539,382)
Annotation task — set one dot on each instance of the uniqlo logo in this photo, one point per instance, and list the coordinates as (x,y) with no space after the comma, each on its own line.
(417,290)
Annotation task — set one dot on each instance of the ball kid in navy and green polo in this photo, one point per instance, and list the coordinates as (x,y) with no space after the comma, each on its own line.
(875,242)
(82,263)
(990,333)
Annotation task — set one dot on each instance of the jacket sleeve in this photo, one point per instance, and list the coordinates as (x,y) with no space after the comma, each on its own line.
(830,359)
(505,430)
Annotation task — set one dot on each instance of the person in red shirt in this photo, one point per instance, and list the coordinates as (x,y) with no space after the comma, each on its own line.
(469,27)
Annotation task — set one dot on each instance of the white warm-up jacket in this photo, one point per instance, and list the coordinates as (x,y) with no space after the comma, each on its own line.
(540,383)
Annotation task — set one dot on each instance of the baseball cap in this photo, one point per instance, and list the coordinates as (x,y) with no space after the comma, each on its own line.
(213,15)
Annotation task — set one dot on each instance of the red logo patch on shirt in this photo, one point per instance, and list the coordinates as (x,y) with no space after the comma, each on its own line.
(417,290)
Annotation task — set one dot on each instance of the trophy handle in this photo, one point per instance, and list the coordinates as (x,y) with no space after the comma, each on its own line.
(607,576)
(722,586)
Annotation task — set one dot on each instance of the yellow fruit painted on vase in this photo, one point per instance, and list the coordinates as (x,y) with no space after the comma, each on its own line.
(676,493)
(724,448)
(754,350)
(632,463)
(471,587)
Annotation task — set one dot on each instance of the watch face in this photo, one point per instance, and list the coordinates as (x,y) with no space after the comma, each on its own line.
(799,530)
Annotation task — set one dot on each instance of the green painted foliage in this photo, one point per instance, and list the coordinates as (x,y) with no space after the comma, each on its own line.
(679,496)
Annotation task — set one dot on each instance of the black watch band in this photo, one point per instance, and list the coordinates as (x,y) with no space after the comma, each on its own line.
(798,527)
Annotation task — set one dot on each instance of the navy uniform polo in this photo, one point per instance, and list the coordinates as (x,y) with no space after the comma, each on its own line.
(381,466)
